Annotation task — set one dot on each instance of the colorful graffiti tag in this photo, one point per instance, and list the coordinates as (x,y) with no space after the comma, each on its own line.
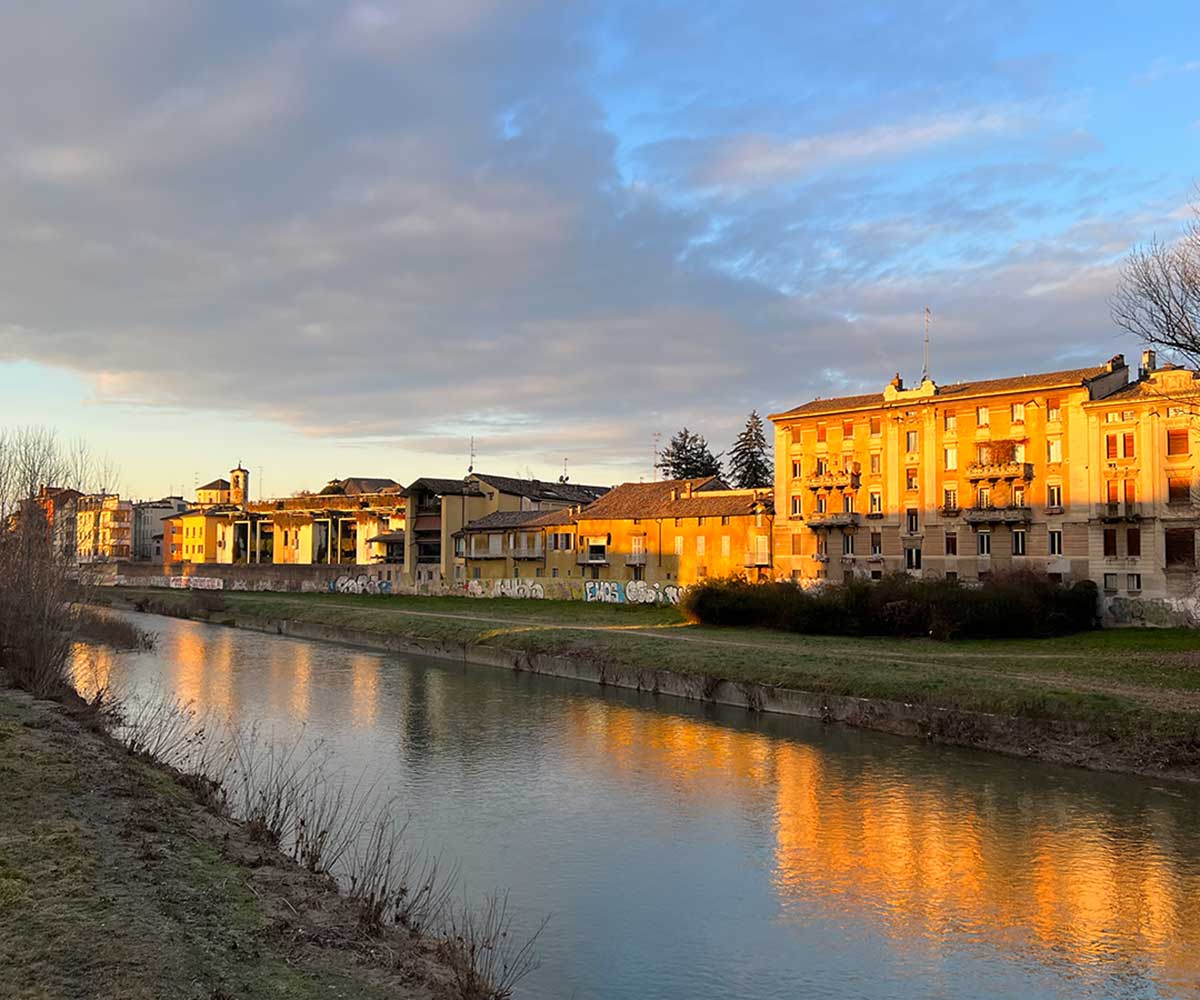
(361,584)
(633,592)
(524,589)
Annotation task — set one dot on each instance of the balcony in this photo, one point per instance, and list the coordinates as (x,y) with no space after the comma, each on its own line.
(998,515)
(635,559)
(999,470)
(527,553)
(485,554)
(832,481)
(754,560)
(1117,510)
(592,559)
(820,557)
(951,511)
(840,519)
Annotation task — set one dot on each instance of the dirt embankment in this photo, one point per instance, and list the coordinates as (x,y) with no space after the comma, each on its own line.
(115,884)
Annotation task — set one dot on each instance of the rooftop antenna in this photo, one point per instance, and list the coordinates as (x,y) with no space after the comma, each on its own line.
(471,466)
(260,483)
(925,366)
(656,439)
(564,477)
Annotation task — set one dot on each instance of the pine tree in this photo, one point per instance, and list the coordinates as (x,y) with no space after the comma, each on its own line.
(688,457)
(749,460)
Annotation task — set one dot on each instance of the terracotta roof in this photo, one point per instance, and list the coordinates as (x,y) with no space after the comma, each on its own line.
(553,518)
(216,484)
(630,500)
(357,485)
(1147,389)
(1046,380)
(503,519)
(440,486)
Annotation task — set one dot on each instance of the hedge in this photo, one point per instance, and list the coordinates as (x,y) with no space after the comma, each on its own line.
(1018,604)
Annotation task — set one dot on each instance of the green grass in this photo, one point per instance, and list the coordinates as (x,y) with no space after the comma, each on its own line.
(1119,678)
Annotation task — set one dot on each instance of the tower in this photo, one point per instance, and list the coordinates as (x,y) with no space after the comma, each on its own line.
(239,486)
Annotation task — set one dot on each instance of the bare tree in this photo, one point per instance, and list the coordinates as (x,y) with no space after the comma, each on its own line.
(1158,297)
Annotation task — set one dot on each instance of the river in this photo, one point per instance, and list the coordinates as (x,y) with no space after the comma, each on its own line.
(687,851)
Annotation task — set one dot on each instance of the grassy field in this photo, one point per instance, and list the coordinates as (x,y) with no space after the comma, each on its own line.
(1125,678)
(116,885)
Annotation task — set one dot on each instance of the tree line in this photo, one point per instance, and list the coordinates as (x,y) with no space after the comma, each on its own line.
(688,456)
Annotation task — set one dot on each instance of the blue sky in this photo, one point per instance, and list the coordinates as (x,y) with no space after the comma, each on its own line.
(341,238)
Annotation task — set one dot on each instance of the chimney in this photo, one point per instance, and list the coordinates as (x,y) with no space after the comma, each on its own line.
(674,494)
(1149,362)
(1116,362)
(897,382)
(688,494)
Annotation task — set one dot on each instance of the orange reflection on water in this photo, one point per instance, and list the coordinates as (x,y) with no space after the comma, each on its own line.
(937,854)
(364,699)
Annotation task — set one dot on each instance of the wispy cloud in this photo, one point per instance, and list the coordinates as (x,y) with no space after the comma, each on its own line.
(1165,67)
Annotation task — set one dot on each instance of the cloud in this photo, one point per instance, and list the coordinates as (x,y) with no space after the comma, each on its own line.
(1164,68)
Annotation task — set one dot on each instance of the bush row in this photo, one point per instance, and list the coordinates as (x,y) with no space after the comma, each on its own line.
(1019,604)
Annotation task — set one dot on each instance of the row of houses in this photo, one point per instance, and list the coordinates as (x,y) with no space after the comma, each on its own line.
(1085,473)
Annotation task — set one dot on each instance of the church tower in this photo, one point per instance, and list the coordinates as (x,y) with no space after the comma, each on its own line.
(239,486)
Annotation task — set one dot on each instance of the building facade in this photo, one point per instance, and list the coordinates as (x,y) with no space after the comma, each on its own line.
(103,528)
(149,532)
(1046,472)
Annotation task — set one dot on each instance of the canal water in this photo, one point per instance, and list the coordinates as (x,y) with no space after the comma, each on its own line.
(685,851)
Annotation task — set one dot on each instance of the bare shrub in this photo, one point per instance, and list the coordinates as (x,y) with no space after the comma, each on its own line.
(487,961)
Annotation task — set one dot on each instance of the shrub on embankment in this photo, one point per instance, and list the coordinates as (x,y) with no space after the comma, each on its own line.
(1017,605)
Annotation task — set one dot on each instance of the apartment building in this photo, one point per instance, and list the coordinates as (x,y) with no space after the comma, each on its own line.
(103,528)
(973,478)
(149,532)
(671,532)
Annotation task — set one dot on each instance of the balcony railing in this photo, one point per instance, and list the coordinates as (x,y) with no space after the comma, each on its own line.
(1118,510)
(998,515)
(1000,470)
(635,559)
(831,481)
(833,519)
(586,559)
(527,553)
(951,511)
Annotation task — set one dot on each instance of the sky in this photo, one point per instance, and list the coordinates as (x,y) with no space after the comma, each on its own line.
(327,238)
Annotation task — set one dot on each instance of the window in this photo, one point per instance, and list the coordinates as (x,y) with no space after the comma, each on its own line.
(797,468)
(1179,490)
(1054,450)
(1110,541)
(847,545)
(911,521)
(950,498)
(1019,451)
(1118,446)
(822,544)
(983,543)
(724,546)
(876,543)
(950,422)
(1018,543)
(1056,546)
(910,479)
(1127,450)
(951,455)
(1133,582)
(1018,496)
(847,428)
(820,432)
(983,416)
(910,441)
(875,460)
(1054,495)
(1110,581)
(1053,410)
(679,522)
(1112,417)
(1180,545)
(983,497)
(699,545)
(1177,442)
(847,503)
(821,503)
(876,574)
(876,502)
(797,506)
(876,427)
(1133,542)
(566,542)
(724,518)
(983,454)
(912,558)
(951,543)
(797,544)
(1016,413)
(679,545)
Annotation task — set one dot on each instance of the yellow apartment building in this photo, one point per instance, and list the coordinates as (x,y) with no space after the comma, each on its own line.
(673,533)
(103,528)
(968,479)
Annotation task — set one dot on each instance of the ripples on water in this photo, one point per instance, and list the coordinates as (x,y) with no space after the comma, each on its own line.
(687,852)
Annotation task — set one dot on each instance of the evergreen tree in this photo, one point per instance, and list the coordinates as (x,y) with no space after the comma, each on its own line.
(749,460)
(688,457)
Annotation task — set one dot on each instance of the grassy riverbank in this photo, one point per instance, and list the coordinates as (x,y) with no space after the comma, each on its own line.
(1129,698)
(115,884)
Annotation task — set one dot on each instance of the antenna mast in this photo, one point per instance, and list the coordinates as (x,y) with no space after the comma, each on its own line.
(471,465)
(925,367)
(656,438)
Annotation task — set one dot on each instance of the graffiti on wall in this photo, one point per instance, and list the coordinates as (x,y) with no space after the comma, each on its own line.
(524,589)
(633,592)
(360,584)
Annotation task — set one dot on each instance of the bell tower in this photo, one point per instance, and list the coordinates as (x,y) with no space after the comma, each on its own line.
(239,486)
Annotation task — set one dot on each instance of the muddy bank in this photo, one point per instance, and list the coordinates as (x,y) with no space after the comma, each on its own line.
(1058,741)
(116,884)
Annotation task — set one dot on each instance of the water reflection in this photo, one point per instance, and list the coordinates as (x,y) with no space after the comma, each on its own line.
(731,856)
